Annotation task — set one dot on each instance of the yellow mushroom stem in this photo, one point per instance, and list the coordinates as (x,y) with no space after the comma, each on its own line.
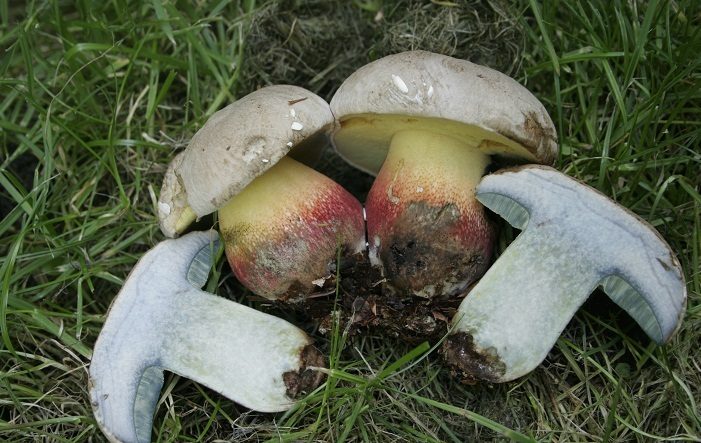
(283,231)
(425,227)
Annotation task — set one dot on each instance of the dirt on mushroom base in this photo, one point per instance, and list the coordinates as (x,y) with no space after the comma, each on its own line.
(425,242)
(365,304)
(306,378)
(470,364)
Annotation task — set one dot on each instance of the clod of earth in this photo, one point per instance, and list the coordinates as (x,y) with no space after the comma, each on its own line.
(161,320)
(574,239)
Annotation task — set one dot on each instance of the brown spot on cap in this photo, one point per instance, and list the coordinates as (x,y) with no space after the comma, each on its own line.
(538,132)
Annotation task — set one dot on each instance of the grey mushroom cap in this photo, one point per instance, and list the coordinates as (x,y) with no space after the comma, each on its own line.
(573,240)
(246,138)
(448,93)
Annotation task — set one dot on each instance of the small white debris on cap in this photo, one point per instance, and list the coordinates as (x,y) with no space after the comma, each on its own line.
(164,208)
(399,83)
(297,126)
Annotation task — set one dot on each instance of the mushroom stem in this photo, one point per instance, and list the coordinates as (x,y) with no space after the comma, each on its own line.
(524,293)
(160,321)
(425,227)
(282,232)
(573,240)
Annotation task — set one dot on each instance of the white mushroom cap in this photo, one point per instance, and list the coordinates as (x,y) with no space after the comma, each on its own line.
(447,94)
(239,143)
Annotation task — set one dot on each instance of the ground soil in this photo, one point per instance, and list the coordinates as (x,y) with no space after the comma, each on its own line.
(366,304)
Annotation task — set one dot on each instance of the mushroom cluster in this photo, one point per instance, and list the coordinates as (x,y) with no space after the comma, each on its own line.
(430,128)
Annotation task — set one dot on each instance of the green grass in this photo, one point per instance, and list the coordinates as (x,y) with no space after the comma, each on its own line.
(96,97)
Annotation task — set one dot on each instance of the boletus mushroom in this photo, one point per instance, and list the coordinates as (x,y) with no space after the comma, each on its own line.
(162,320)
(427,125)
(573,240)
(282,222)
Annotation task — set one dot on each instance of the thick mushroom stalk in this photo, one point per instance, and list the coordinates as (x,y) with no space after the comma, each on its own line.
(574,239)
(425,227)
(160,321)
(283,231)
